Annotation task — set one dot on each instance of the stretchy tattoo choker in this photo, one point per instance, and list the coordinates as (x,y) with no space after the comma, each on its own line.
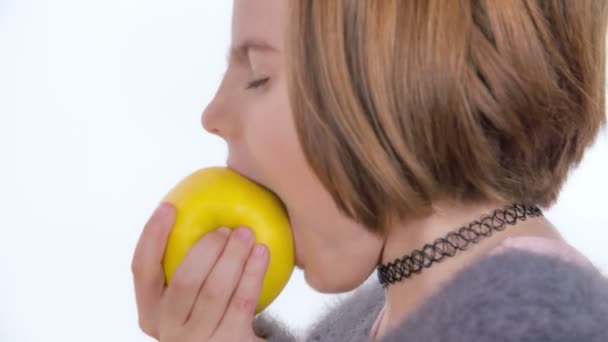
(454,241)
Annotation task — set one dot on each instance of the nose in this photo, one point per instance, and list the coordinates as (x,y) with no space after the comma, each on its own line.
(216,119)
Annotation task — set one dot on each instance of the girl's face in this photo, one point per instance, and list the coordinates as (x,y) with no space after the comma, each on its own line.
(251,111)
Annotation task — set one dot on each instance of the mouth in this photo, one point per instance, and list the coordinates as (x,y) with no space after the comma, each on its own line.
(234,167)
(248,176)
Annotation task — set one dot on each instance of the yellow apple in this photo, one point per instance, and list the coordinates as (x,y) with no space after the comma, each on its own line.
(219,197)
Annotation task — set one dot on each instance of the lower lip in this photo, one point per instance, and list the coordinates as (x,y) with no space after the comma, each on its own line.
(236,170)
(243,174)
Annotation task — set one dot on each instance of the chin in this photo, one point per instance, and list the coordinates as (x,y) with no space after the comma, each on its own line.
(331,285)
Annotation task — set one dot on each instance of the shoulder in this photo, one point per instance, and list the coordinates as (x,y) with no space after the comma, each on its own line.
(347,319)
(350,317)
(517,295)
(267,327)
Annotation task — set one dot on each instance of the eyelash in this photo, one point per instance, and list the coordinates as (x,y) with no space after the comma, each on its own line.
(257,83)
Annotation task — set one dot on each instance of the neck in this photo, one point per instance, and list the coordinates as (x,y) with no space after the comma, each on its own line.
(405,296)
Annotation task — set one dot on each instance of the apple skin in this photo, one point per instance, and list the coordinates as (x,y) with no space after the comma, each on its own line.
(215,197)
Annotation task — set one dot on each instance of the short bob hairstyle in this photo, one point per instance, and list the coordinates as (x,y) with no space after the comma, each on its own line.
(399,103)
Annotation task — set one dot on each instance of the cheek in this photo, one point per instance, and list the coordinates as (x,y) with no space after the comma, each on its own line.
(268,133)
(273,145)
(336,253)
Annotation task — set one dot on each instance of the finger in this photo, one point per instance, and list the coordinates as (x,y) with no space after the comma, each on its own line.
(219,287)
(180,295)
(146,265)
(241,309)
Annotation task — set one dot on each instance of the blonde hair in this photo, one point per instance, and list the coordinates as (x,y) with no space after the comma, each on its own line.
(398,103)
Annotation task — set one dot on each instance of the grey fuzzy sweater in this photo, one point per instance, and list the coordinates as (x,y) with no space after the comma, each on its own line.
(513,296)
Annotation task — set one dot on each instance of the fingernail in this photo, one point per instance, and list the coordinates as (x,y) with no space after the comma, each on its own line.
(244,234)
(225,231)
(259,250)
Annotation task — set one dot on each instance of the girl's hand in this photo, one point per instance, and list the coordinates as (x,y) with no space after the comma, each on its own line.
(213,293)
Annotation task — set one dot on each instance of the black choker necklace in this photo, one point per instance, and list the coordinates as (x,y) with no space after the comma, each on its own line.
(456,240)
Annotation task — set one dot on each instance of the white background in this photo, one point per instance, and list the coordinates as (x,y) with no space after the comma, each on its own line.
(100,104)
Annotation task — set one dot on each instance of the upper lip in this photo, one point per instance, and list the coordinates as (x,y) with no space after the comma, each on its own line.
(234,167)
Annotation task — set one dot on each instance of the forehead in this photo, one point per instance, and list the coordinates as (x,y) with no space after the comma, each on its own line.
(258,20)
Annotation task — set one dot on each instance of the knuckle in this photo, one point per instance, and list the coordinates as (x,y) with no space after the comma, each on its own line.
(184,280)
(218,237)
(255,269)
(142,271)
(233,262)
(212,240)
(254,272)
(239,244)
(243,304)
(150,231)
(236,256)
(250,277)
(137,267)
(171,337)
(212,292)
(147,327)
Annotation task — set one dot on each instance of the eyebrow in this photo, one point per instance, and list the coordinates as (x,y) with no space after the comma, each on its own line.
(240,51)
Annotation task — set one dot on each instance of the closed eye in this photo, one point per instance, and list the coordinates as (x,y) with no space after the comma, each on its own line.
(257,83)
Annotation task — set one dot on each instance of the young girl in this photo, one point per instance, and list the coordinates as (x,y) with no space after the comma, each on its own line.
(417,139)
